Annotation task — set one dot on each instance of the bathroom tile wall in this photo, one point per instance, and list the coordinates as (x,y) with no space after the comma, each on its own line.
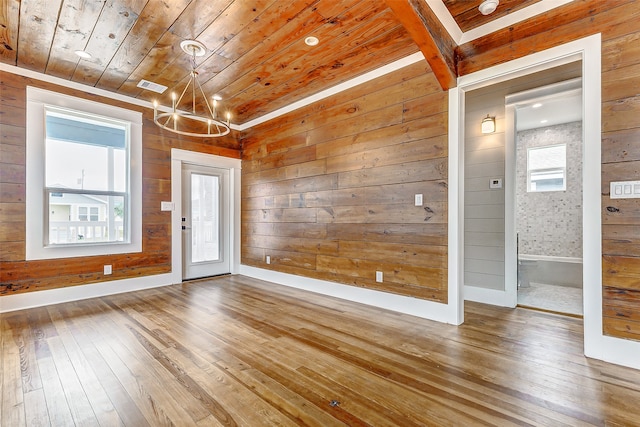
(550,223)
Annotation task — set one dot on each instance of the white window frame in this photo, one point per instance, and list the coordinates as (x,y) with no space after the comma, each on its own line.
(561,169)
(37,100)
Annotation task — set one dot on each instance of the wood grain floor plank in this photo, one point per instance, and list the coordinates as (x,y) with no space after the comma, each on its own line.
(192,362)
(139,373)
(216,382)
(167,370)
(12,403)
(319,341)
(76,397)
(24,343)
(335,361)
(238,351)
(57,405)
(35,408)
(78,315)
(83,372)
(293,375)
(433,389)
(296,407)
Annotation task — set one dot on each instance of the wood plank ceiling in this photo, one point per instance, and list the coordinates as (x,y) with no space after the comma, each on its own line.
(468,17)
(256,58)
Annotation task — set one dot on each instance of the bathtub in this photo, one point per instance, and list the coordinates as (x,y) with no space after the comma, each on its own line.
(552,270)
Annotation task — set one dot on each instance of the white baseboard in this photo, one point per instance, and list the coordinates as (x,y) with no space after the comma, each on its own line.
(488,296)
(402,304)
(74,293)
(615,350)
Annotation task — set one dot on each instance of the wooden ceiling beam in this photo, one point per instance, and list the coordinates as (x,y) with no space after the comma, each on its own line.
(431,37)
(9,19)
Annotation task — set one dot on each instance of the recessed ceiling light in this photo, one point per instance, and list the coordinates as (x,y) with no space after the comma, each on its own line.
(487,7)
(544,121)
(536,105)
(217,97)
(83,54)
(311,41)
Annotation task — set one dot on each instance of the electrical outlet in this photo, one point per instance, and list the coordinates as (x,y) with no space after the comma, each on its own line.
(418,199)
(107,270)
(379,276)
(268,259)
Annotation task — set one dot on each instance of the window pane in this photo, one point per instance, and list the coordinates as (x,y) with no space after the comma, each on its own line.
(546,167)
(71,223)
(549,180)
(84,153)
(547,157)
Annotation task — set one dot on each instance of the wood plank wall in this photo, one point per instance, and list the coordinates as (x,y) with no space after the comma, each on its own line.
(618,23)
(18,275)
(328,190)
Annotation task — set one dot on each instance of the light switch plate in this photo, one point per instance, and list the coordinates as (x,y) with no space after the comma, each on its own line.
(379,276)
(624,189)
(495,183)
(418,200)
(167,206)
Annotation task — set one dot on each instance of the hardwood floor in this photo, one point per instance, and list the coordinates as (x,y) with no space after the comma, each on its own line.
(238,351)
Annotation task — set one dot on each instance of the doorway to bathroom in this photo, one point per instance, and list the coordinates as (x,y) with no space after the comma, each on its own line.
(491,183)
(546,160)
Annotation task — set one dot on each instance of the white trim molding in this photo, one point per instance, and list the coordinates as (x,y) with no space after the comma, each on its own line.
(455,180)
(488,296)
(511,19)
(399,303)
(178,157)
(75,293)
(596,344)
(444,16)
(35,248)
(379,72)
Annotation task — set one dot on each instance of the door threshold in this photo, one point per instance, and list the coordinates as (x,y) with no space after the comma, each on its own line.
(545,310)
(194,279)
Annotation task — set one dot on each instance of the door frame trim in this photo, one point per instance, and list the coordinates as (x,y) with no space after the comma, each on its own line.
(596,344)
(541,93)
(234,166)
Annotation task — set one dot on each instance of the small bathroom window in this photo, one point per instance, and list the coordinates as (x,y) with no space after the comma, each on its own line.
(547,168)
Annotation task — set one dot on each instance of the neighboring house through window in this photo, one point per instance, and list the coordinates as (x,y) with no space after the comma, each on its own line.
(84,188)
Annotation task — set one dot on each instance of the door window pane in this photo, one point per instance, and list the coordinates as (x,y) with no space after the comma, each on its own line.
(205,218)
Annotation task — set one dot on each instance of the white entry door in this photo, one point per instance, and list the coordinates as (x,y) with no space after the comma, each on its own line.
(205,221)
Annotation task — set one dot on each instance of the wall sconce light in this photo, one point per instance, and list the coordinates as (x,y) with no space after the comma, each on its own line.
(488,124)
